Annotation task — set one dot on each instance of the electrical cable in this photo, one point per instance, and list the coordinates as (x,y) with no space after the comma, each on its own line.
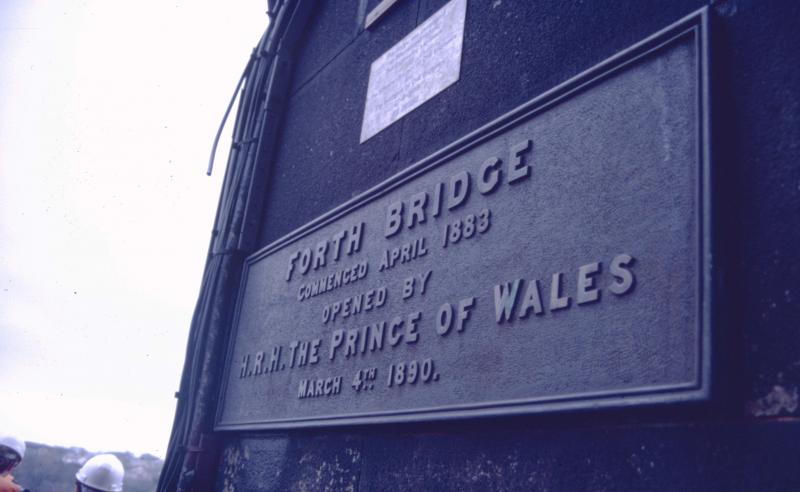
(253,138)
(225,117)
(195,349)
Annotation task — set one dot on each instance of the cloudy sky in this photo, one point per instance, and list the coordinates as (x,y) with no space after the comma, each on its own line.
(108,110)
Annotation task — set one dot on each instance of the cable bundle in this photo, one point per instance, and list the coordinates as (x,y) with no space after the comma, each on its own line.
(261,91)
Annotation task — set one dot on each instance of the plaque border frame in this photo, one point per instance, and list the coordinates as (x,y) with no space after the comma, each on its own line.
(696,24)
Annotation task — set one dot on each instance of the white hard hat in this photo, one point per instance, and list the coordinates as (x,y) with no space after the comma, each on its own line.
(102,472)
(14,443)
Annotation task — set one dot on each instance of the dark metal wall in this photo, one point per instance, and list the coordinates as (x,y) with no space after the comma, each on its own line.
(747,438)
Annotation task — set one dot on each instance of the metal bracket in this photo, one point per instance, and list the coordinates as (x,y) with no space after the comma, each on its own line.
(378,12)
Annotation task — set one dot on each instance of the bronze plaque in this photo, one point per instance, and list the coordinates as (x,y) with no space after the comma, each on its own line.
(554,259)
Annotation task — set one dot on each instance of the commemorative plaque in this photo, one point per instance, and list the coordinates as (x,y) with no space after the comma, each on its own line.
(556,258)
(421,65)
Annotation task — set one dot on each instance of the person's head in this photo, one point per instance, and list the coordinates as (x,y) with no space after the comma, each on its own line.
(102,473)
(12,450)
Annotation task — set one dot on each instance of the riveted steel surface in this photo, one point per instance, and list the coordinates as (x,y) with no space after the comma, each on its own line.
(556,258)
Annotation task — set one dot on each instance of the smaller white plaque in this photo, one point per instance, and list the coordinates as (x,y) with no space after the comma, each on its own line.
(421,65)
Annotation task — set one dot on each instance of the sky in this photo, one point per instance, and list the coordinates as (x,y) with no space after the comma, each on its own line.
(108,111)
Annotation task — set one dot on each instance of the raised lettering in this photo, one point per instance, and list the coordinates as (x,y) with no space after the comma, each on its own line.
(556,300)
(305,260)
(416,212)
(292,260)
(625,279)
(313,356)
(412,330)
(586,292)
(459,190)
(532,300)
(394,219)
(518,168)
(319,257)
(464,308)
(336,341)
(505,298)
(337,244)
(394,334)
(489,175)
(444,319)
(408,287)
(354,238)
(293,347)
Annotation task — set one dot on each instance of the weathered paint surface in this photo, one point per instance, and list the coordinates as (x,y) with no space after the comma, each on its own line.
(691,457)
(278,463)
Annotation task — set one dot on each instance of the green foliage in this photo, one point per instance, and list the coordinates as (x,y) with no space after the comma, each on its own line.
(52,469)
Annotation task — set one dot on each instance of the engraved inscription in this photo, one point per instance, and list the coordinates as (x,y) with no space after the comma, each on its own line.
(548,265)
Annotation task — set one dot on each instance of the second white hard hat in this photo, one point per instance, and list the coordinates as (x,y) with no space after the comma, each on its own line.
(102,472)
(14,443)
